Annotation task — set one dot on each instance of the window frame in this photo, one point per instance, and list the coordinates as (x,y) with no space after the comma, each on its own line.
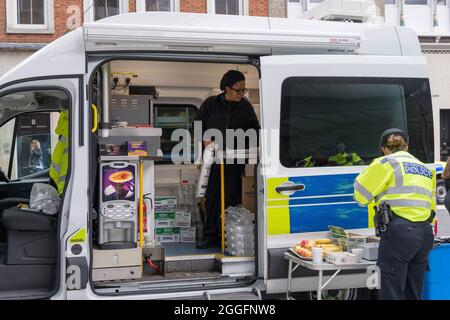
(174,6)
(395,4)
(417,5)
(12,25)
(88,6)
(243,7)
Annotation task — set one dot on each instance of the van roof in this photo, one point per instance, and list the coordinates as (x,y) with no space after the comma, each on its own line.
(181,32)
(245,35)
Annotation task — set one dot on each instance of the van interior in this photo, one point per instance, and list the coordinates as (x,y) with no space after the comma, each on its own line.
(164,96)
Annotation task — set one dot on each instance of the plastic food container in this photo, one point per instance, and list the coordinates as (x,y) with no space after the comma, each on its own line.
(370,251)
(340,257)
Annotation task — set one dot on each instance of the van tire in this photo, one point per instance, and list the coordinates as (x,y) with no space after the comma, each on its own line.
(441,191)
(342,294)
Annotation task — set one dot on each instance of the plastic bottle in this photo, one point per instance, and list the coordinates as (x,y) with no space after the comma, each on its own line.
(186,196)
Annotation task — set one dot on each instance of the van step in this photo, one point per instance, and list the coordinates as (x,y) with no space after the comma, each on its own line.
(234,294)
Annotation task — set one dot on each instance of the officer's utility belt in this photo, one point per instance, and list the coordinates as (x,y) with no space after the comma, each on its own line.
(384,215)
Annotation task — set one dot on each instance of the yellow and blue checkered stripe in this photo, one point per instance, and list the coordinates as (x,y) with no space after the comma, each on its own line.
(326,200)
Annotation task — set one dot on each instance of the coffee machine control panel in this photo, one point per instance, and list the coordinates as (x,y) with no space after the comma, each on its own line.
(119,210)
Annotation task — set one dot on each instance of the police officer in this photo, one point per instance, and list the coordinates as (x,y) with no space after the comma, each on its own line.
(344,158)
(407,186)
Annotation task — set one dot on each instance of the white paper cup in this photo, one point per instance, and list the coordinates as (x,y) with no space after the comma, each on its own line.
(358,253)
(317,255)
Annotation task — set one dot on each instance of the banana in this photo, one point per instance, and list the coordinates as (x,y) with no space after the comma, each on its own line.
(323,241)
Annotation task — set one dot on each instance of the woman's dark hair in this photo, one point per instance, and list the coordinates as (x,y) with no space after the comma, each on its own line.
(230,78)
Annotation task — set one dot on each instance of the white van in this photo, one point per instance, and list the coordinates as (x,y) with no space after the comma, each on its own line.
(313,84)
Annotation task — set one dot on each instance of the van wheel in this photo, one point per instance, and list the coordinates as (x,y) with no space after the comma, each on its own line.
(343,294)
(441,191)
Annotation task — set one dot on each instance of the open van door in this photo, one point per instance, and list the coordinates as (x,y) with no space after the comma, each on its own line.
(322,116)
(33,244)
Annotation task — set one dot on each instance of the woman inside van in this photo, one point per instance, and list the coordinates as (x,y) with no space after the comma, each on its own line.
(228,110)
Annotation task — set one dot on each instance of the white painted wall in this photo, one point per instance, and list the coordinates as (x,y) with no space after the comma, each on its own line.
(9,59)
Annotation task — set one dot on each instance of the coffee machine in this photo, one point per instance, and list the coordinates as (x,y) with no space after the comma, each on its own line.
(118,218)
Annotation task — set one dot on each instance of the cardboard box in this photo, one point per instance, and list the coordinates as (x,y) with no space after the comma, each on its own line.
(347,240)
(137,148)
(164,219)
(248,193)
(167,234)
(187,234)
(249,170)
(183,219)
(166,204)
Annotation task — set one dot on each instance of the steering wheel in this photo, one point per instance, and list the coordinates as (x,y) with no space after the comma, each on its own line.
(3,177)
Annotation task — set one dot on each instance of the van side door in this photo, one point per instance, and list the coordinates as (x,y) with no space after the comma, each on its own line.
(322,116)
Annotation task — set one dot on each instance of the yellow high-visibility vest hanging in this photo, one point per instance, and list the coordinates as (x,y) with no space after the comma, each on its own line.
(60,155)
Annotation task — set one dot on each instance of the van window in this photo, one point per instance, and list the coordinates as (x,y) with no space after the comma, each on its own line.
(170,117)
(322,118)
(28,121)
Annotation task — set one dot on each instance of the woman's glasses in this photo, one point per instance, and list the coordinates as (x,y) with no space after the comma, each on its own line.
(240,91)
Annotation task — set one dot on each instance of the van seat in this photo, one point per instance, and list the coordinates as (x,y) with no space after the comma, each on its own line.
(27,220)
(31,237)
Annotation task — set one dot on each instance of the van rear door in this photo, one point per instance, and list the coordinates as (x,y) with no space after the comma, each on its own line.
(313,107)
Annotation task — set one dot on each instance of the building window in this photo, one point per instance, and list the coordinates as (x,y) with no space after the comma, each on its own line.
(157,5)
(230,7)
(417,2)
(441,2)
(390,2)
(100,9)
(30,16)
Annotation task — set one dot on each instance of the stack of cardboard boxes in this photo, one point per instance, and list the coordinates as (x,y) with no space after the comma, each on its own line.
(172,225)
(248,188)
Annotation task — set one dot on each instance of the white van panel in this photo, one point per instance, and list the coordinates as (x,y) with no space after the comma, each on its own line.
(64,56)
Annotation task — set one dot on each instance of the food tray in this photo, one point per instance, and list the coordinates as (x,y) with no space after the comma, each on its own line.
(301,257)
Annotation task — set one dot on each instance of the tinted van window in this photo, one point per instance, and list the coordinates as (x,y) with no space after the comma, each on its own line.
(338,121)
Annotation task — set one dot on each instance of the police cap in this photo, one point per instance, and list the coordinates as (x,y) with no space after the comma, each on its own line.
(393,131)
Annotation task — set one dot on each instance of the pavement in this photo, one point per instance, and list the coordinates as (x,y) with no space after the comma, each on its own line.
(443,218)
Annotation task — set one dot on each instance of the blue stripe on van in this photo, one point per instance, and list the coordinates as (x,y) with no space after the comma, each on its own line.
(325,185)
(318,218)
(316,214)
(293,202)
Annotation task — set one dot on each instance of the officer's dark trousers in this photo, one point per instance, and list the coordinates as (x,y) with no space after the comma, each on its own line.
(403,259)
(233,196)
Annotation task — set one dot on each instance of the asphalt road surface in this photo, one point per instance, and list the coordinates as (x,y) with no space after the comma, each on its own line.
(443,218)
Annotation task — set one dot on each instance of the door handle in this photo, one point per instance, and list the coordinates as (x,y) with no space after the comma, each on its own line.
(289,188)
(95,120)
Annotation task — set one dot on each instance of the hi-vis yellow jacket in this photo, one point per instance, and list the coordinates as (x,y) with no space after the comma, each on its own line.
(400,180)
(60,155)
